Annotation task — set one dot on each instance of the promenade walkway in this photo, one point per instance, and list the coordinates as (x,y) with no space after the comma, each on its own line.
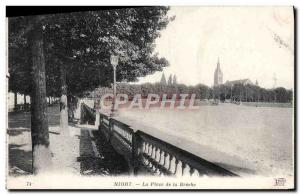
(84,151)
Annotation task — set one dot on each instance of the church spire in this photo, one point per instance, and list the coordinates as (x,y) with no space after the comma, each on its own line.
(218,76)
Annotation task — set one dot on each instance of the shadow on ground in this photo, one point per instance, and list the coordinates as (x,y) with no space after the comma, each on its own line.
(22,120)
(20,161)
(19,120)
(108,162)
(18,131)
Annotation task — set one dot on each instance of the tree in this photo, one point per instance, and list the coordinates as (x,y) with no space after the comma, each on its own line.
(128,33)
(290,96)
(63,102)
(82,43)
(170,80)
(94,36)
(163,80)
(39,121)
(19,66)
(174,80)
(281,95)
(202,91)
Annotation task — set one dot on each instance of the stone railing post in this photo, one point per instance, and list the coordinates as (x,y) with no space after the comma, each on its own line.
(100,121)
(136,147)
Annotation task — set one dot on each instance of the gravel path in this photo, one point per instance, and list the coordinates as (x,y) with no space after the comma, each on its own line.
(84,151)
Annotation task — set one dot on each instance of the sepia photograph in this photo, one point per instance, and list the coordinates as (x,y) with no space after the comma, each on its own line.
(151,98)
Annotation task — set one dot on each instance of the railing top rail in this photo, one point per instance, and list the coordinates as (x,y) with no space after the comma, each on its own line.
(122,125)
(104,116)
(87,107)
(185,156)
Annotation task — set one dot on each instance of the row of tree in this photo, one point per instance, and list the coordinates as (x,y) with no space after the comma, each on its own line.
(171,81)
(236,92)
(64,55)
(252,93)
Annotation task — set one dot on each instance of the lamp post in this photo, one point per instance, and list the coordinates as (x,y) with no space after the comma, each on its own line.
(114,62)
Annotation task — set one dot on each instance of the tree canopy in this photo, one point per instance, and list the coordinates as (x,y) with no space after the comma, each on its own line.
(82,42)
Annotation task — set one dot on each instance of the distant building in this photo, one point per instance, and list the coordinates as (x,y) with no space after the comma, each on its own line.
(240,81)
(218,76)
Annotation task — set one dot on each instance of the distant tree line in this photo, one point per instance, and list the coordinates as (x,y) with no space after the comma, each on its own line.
(236,92)
(252,93)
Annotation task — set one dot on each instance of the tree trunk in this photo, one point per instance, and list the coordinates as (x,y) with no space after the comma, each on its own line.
(15,100)
(39,121)
(25,103)
(71,102)
(63,103)
(24,99)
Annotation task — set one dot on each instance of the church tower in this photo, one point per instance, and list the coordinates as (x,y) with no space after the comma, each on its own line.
(218,77)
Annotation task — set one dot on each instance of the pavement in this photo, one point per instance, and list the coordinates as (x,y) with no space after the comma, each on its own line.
(84,151)
(97,156)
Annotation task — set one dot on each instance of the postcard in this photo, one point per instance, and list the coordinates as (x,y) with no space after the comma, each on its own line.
(151,98)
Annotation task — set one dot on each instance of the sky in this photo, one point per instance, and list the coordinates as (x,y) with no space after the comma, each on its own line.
(251,42)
